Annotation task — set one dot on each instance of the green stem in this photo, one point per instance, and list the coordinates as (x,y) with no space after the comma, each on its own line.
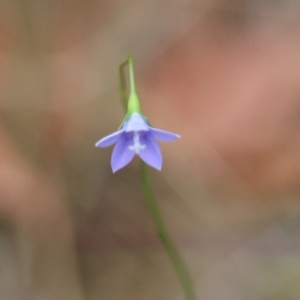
(176,259)
(123,83)
(133,103)
(131,74)
(161,230)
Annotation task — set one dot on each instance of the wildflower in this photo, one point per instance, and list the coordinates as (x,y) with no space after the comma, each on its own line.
(135,135)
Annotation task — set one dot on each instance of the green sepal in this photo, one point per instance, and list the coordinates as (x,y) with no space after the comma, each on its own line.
(133,103)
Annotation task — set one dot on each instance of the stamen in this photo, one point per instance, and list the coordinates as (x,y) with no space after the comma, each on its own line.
(137,146)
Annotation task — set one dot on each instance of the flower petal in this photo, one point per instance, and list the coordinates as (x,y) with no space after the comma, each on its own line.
(121,155)
(163,135)
(110,139)
(136,122)
(151,154)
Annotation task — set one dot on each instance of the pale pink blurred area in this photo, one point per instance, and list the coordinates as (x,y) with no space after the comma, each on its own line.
(224,75)
(237,90)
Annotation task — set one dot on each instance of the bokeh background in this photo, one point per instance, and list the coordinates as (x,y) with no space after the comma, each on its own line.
(225,75)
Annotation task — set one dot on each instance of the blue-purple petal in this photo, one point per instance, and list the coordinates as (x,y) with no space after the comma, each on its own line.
(136,122)
(110,139)
(151,154)
(121,155)
(163,135)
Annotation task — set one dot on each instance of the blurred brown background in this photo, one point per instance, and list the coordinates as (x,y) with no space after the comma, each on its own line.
(225,75)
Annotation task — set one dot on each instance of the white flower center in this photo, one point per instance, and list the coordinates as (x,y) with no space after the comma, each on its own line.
(137,146)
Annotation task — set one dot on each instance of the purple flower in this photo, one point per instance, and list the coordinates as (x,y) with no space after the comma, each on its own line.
(136,136)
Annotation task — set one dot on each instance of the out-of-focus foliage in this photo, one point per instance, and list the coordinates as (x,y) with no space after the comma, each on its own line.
(223,74)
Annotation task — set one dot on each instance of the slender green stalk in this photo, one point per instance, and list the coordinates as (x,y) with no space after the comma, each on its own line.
(133,103)
(123,83)
(131,74)
(161,230)
(176,259)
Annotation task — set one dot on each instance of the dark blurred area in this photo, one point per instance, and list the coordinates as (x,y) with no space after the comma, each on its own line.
(225,75)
